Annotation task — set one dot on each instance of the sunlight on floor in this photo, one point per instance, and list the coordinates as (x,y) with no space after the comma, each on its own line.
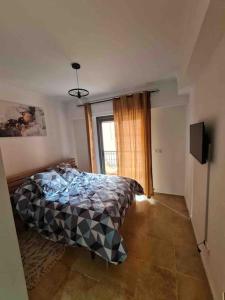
(140,198)
(153,201)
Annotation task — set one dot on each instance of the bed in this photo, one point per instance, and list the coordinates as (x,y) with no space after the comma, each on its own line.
(77,208)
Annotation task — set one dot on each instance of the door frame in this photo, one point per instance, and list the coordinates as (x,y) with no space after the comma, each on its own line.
(99,121)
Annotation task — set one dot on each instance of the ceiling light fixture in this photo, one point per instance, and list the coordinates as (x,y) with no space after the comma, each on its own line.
(77,92)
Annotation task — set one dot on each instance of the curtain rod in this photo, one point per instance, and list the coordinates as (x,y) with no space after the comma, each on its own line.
(111,98)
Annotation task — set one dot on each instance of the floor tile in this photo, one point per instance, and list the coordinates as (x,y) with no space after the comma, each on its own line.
(176,203)
(192,289)
(124,275)
(188,261)
(81,287)
(156,284)
(162,263)
(50,283)
(153,250)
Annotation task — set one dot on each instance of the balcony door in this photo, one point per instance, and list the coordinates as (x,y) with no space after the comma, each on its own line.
(107,145)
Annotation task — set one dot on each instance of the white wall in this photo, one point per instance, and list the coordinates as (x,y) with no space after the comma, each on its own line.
(168,95)
(162,102)
(168,149)
(24,153)
(12,281)
(207,104)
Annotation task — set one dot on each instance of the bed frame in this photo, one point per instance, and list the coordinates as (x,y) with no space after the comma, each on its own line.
(16,180)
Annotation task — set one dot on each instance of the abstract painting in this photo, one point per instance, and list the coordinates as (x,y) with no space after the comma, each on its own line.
(19,120)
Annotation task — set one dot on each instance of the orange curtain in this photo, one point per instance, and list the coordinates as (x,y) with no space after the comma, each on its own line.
(132,117)
(90,137)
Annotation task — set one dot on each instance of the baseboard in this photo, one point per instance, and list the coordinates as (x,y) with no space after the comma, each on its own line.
(203,258)
(209,277)
(207,272)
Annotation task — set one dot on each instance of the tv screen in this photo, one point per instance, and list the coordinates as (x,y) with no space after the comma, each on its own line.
(198,142)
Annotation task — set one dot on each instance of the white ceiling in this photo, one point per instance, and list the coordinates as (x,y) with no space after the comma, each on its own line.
(121,44)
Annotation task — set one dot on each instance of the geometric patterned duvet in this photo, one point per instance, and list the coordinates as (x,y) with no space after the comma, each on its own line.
(88,213)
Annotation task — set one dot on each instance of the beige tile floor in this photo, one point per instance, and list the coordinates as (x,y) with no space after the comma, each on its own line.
(162,263)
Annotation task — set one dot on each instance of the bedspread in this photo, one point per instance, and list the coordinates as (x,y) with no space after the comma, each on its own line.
(88,212)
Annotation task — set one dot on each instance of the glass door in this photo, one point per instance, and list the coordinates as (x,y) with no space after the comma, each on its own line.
(107,145)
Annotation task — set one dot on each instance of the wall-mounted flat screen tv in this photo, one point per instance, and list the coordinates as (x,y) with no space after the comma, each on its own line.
(198,142)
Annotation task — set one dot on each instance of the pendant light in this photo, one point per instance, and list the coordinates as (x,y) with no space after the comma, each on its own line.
(77,92)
